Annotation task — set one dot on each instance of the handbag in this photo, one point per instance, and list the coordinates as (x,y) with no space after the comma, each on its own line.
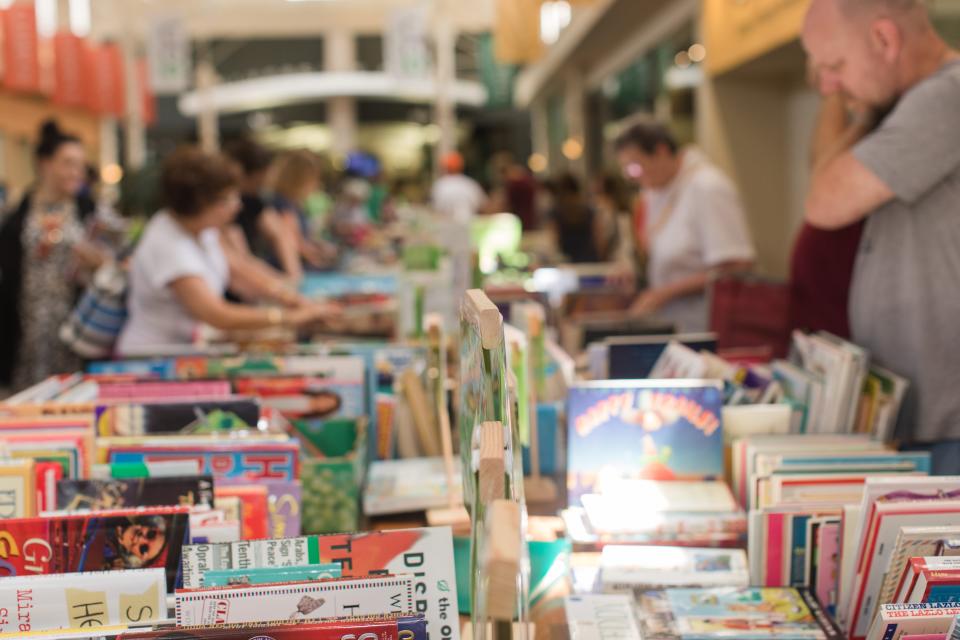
(750,312)
(93,327)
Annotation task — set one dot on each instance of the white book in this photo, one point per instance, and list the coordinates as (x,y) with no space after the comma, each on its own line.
(858,364)
(313,600)
(831,363)
(601,617)
(755,420)
(848,560)
(624,568)
(405,486)
(79,601)
(679,361)
(897,620)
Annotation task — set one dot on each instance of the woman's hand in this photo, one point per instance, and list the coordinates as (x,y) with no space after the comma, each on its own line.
(312,313)
(647,303)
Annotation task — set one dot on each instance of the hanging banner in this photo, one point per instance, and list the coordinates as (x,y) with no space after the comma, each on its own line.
(168,52)
(406,50)
(148,100)
(69,58)
(104,80)
(21,61)
(517,31)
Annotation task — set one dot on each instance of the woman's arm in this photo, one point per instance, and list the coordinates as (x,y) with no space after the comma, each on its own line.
(205,306)
(652,300)
(285,241)
(253,278)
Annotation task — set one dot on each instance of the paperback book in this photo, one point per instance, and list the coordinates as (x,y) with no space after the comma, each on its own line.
(105,495)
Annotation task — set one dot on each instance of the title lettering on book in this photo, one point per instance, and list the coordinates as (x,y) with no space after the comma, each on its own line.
(649,410)
(36,554)
(8,503)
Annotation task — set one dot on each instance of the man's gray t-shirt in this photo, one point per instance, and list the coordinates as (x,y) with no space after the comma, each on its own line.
(905,295)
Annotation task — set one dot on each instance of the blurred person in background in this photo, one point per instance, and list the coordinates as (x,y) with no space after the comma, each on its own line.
(456,195)
(573,220)
(264,232)
(612,227)
(296,176)
(891,110)
(44,254)
(180,271)
(695,226)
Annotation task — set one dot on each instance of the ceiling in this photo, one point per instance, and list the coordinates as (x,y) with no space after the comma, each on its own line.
(276,18)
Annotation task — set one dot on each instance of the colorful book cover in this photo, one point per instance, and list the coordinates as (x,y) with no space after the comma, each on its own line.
(165,390)
(650,430)
(47,474)
(307,398)
(624,568)
(798,555)
(254,508)
(373,629)
(51,602)
(101,541)
(828,566)
(18,489)
(278,460)
(741,614)
(425,552)
(409,485)
(283,505)
(271,575)
(345,598)
(894,621)
(106,495)
(598,617)
(153,418)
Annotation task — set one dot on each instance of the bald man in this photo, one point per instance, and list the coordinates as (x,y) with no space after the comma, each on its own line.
(888,152)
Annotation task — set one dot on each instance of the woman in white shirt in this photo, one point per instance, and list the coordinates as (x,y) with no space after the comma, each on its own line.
(695,226)
(179,271)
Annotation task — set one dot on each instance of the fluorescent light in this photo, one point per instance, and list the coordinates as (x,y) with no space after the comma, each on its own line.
(554,18)
(46,18)
(80,17)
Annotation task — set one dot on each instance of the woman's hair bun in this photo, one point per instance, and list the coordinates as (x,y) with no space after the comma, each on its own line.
(49,130)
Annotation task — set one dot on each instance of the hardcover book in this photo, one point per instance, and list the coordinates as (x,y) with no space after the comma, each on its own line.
(643,430)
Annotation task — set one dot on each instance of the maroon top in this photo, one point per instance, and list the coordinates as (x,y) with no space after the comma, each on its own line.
(820,274)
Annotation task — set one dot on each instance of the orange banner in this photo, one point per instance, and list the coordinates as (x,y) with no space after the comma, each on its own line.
(21,63)
(69,60)
(105,80)
(149,100)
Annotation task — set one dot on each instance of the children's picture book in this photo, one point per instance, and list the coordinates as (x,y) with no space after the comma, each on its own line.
(101,495)
(31,603)
(314,600)
(734,613)
(308,398)
(164,417)
(625,568)
(426,552)
(596,617)
(97,541)
(643,430)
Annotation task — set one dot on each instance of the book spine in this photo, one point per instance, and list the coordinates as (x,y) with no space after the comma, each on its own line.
(372,629)
(830,629)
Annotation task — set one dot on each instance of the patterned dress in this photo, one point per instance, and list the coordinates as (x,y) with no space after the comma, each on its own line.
(48,292)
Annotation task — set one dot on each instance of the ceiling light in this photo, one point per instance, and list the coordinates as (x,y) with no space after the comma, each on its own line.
(80,17)
(697,52)
(537,163)
(572,149)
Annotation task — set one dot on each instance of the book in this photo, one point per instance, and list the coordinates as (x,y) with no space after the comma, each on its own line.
(916,567)
(624,568)
(634,357)
(305,397)
(597,617)
(271,575)
(426,552)
(284,509)
(894,621)
(643,430)
(372,629)
(165,390)
(51,602)
(936,586)
(414,484)
(735,613)
(912,542)
(826,579)
(18,489)
(345,598)
(100,495)
(96,541)
(254,508)
(167,417)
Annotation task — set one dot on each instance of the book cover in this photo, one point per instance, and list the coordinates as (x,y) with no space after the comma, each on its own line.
(250,459)
(283,505)
(165,390)
(47,474)
(106,495)
(374,629)
(307,398)
(643,430)
(599,617)
(426,552)
(912,542)
(894,621)
(345,598)
(828,566)
(166,417)
(626,567)
(18,489)
(413,484)
(741,614)
(254,508)
(98,541)
(50,602)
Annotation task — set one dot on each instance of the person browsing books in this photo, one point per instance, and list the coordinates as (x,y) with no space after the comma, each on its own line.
(881,61)
(695,225)
(179,271)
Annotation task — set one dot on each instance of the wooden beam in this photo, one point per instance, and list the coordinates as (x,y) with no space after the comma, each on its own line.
(482,311)
(492,463)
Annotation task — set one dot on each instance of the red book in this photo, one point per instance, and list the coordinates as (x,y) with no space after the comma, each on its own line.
(344,630)
(48,475)
(255,508)
(95,541)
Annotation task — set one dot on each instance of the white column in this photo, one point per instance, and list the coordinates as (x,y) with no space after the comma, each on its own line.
(445,109)
(340,53)
(208,123)
(134,128)
(540,131)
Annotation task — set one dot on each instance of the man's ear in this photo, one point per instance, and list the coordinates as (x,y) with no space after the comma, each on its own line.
(886,39)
